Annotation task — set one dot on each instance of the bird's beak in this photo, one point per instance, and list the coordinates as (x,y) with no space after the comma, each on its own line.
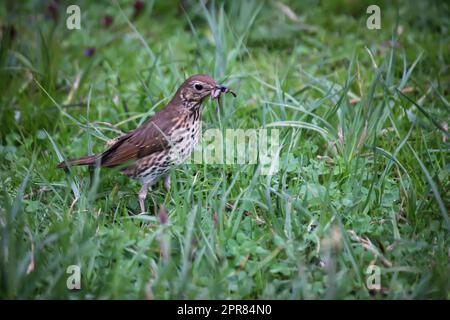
(220,87)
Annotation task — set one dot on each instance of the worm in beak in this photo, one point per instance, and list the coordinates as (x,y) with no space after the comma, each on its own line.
(215,94)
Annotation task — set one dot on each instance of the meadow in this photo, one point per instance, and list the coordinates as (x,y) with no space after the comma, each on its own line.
(362,190)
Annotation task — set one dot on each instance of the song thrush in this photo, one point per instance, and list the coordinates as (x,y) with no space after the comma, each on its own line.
(167,139)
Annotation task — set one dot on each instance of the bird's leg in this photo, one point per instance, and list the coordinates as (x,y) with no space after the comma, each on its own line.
(143,195)
(167,182)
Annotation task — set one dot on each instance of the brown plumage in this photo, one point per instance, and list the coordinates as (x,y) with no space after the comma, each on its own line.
(148,152)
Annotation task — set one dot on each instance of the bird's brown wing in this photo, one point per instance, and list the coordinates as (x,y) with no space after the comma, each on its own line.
(149,138)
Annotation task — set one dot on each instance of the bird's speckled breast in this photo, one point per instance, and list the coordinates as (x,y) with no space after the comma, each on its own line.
(185,138)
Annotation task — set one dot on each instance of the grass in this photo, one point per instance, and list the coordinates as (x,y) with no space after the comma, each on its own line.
(363,180)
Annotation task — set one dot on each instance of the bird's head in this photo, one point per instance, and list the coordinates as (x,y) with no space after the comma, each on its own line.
(198,87)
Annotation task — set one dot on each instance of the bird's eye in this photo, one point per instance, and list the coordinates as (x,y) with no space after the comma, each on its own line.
(198,87)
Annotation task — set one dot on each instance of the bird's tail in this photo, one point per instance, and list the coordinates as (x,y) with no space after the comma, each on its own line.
(84,161)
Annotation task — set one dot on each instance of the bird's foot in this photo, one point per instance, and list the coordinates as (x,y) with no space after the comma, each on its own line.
(142,196)
(167,182)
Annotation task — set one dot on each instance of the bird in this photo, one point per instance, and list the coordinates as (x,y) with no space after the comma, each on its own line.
(166,140)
